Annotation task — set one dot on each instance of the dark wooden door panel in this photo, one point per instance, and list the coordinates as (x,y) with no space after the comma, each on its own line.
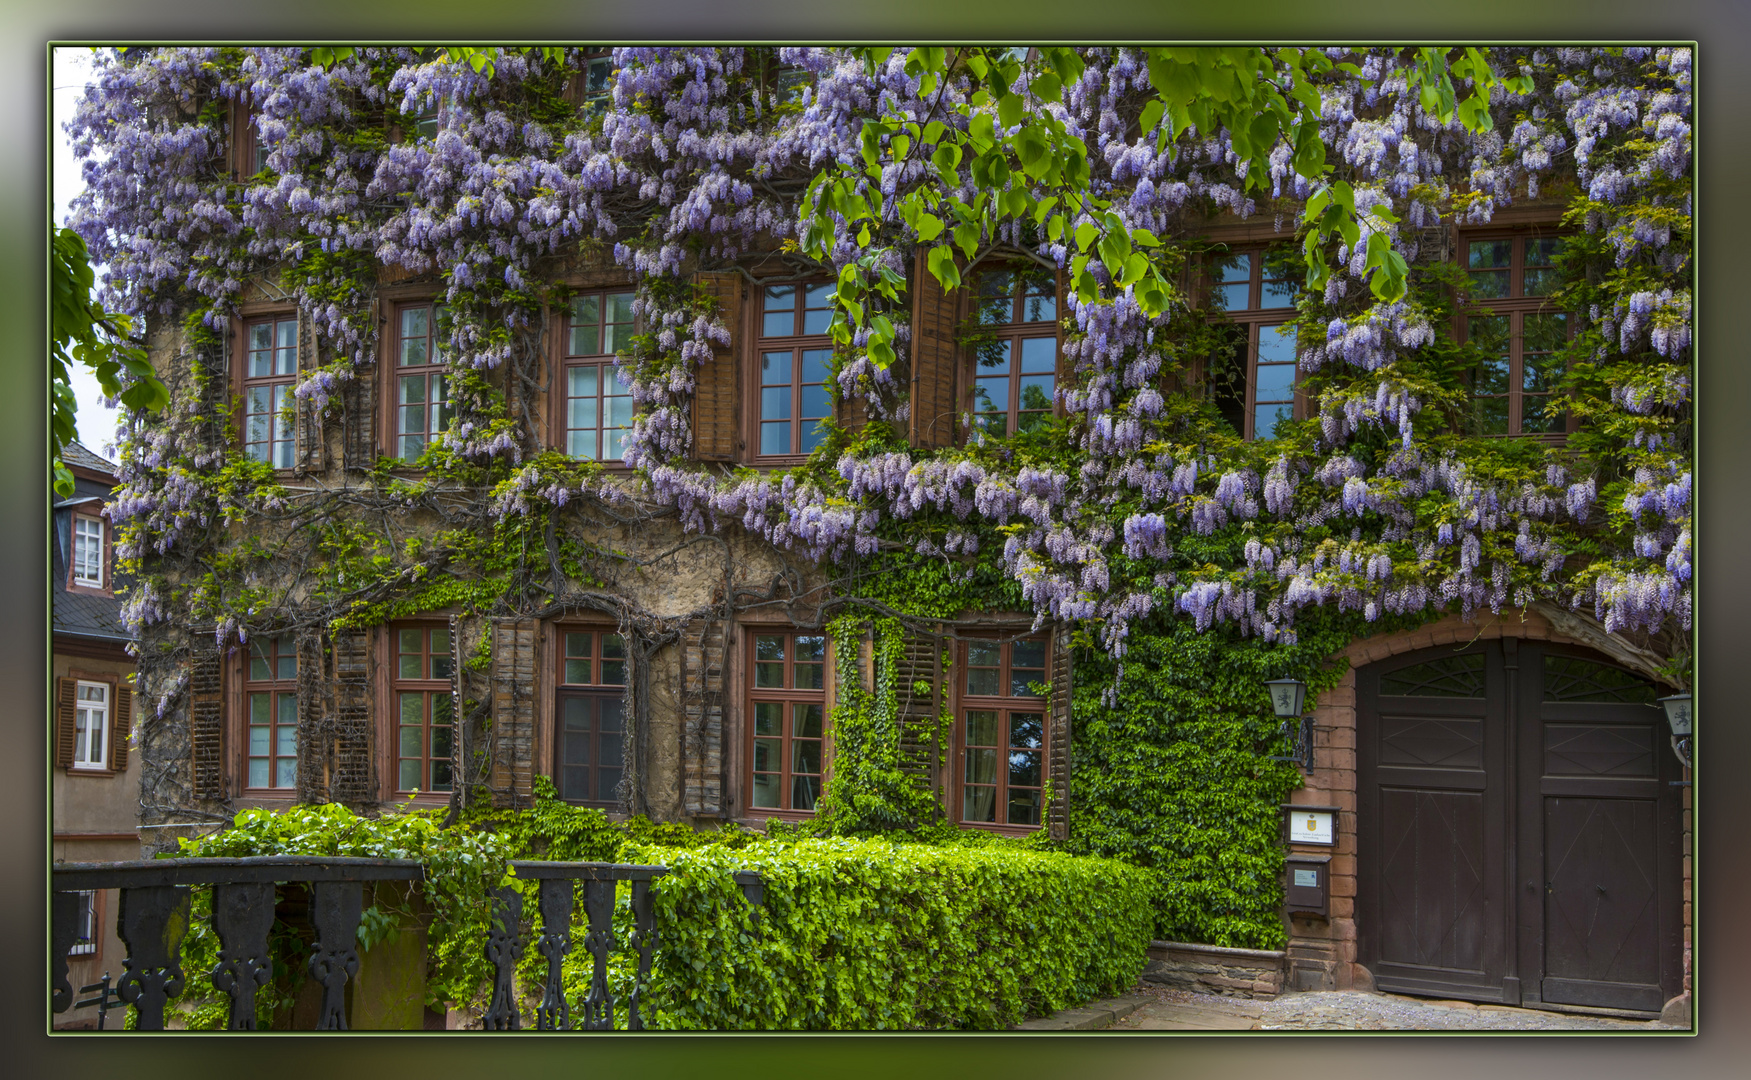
(1602,902)
(1432,876)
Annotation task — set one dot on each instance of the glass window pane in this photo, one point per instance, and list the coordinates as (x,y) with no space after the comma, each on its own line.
(768,718)
(258,741)
(806,720)
(441,705)
(576,713)
(817,365)
(766,791)
(578,644)
(779,308)
(1488,332)
(775,437)
(574,783)
(802,792)
(1539,374)
(981,767)
(982,681)
(1028,654)
(1024,768)
(769,676)
(411,707)
(576,749)
(259,772)
(1489,416)
(981,653)
(413,742)
(775,369)
(1234,267)
(1036,393)
(608,714)
(620,307)
(993,355)
(411,666)
(1024,808)
(769,647)
(1491,377)
(1268,417)
(1026,730)
(979,804)
(775,403)
(1489,254)
(1279,294)
(258,663)
(1040,306)
(991,398)
(614,672)
(807,676)
(1276,382)
(409,777)
(805,756)
(1535,419)
(766,755)
(981,727)
(1039,354)
(285,772)
(1546,332)
(996,298)
(577,671)
(812,647)
(440,776)
(1277,344)
(608,750)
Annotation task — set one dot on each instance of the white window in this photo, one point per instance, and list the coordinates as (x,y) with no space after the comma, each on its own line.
(91,726)
(88,552)
(85,942)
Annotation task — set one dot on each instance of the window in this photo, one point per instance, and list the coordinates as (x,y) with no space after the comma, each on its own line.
(86,921)
(1002,733)
(597,406)
(787,704)
(271,693)
(91,726)
(592,701)
(795,365)
(88,552)
(422,399)
(270,370)
(597,81)
(1511,387)
(1251,372)
(1015,359)
(424,725)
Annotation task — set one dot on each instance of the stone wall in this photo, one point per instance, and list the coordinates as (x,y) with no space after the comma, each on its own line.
(1211,969)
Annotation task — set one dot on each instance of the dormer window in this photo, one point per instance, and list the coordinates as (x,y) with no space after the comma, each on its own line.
(88,545)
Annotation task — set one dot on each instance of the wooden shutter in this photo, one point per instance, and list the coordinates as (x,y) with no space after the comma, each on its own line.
(702,677)
(359,404)
(919,664)
(313,745)
(716,402)
(1058,738)
(307,432)
(351,777)
(66,721)
(121,727)
(935,360)
(206,722)
(513,709)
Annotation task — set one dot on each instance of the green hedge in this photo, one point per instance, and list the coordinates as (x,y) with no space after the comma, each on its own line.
(874,935)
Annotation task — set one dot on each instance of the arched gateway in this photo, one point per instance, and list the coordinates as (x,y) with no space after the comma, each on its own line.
(1515,824)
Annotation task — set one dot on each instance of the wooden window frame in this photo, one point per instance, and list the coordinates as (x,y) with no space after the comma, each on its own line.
(606,364)
(1005,704)
(431,688)
(248,153)
(245,382)
(89,946)
(108,724)
(594,103)
(796,344)
(1515,307)
(117,683)
(787,696)
(598,689)
(389,414)
(1255,320)
(273,687)
(1012,332)
(105,564)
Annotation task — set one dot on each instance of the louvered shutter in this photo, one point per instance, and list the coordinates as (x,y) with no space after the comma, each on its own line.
(206,723)
(513,709)
(716,404)
(917,686)
(121,727)
(702,672)
(1058,738)
(313,746)
(935,360)
(351,778)
(66,721)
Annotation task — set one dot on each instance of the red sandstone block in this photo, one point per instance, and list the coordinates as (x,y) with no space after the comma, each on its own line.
(1344,800)
(1343,864)
(1342,886)
(1343,737)
(1343,907)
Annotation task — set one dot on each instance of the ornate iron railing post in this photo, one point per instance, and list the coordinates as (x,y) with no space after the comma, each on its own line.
(599,904)
(153,921)
(504,944)
(63,931)
(644,939)
(243,913)
(555,942)
(335,907)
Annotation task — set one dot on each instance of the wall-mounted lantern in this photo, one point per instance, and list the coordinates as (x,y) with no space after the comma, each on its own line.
(1287,698)
(1678,719)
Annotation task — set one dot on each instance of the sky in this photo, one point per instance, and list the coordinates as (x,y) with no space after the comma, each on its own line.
(97,423)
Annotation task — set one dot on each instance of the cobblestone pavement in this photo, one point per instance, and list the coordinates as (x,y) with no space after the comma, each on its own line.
(1180,1010)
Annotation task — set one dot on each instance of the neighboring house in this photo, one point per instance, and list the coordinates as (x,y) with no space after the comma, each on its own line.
(648,663)
(96,779)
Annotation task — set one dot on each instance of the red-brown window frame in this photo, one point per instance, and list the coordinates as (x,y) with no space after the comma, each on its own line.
(1255,319)
(796,344)
(607,364)
(1004,704)
(788,696)
(273,687)
(245,382)
(1013,332)
(430,689)
(390,410)
(247,150)
(596,688)
(1515,307)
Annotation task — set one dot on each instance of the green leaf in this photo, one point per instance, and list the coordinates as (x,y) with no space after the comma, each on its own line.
(1047,87)
(1085,234)
(1009,109)
(929,227)
(941,263)
(966,237)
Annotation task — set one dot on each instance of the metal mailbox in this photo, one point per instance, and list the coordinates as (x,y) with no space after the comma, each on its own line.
(1308,890)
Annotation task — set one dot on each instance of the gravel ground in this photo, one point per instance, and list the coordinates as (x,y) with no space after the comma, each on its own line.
(1350,1011)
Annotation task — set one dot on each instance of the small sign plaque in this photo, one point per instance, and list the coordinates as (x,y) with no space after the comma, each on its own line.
(1310,826)
(1308,879)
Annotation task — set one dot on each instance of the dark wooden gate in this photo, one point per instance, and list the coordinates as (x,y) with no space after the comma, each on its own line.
(1519,832)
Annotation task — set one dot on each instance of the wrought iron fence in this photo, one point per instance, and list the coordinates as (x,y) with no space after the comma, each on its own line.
(156,902)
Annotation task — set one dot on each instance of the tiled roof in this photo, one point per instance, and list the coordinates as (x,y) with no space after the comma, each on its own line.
(75,453)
